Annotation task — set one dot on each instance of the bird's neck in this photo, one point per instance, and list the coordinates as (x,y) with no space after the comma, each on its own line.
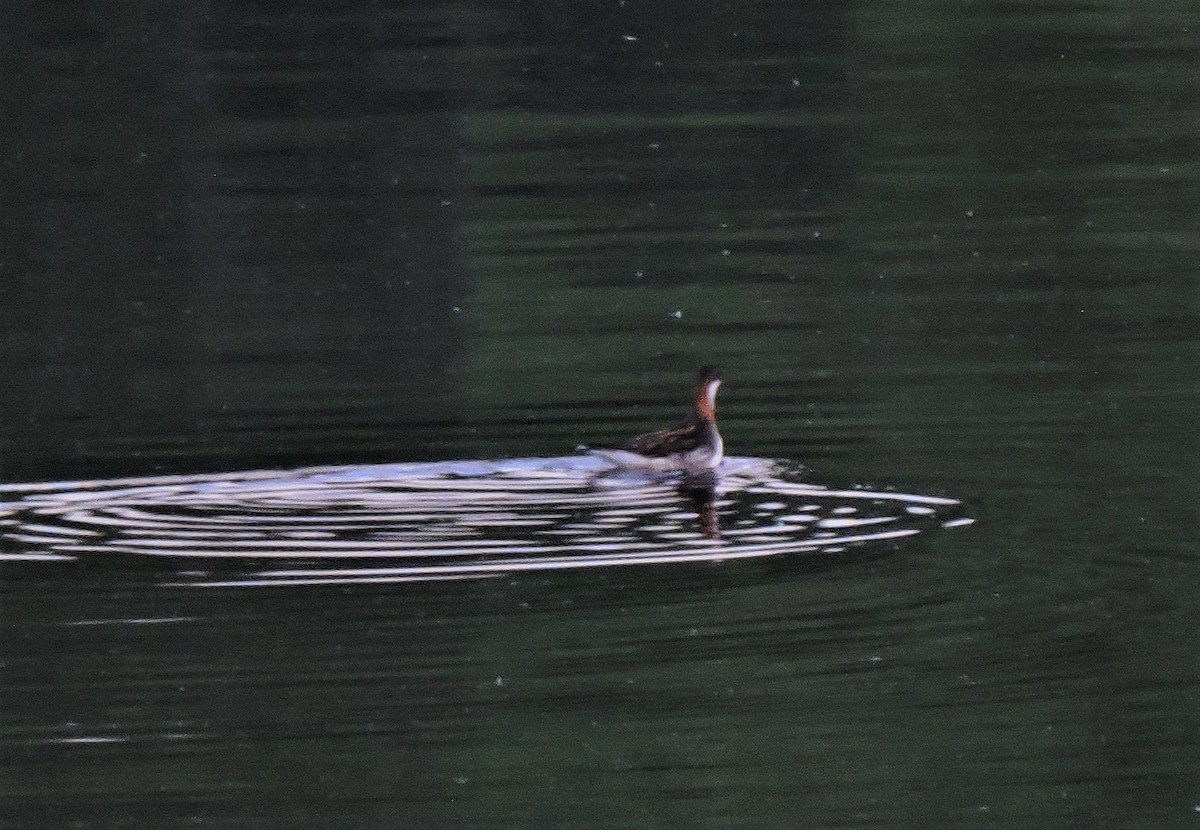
(706,401)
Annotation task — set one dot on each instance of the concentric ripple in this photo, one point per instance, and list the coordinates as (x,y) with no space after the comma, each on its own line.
(447,520)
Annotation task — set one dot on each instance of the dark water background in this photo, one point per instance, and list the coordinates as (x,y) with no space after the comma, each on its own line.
(949,248)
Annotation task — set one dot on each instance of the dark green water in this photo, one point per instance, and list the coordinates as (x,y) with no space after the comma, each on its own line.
(941,248)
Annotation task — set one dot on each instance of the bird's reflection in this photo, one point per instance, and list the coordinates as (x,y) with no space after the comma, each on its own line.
(700,490)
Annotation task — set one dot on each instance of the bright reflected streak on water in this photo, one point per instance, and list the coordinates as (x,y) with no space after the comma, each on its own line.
(34,557)
(449,520)
(134,621)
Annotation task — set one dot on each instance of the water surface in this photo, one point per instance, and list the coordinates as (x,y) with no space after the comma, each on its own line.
(450,520)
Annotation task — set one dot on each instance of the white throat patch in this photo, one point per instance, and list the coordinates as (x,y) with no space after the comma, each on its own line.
(710,393)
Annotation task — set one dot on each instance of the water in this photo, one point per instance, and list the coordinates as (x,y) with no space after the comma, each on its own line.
(945,252)
(451,520)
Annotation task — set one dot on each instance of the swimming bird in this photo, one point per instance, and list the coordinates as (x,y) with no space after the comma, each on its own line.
(694,447)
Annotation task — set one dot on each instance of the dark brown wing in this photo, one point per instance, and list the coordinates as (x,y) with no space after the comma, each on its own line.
(665,442)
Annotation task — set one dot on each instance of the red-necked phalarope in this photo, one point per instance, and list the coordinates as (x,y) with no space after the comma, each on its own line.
(694,447)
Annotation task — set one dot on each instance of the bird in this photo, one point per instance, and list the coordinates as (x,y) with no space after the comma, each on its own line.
(694,447)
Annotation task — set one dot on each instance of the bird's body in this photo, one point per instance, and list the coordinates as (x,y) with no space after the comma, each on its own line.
(694,447)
